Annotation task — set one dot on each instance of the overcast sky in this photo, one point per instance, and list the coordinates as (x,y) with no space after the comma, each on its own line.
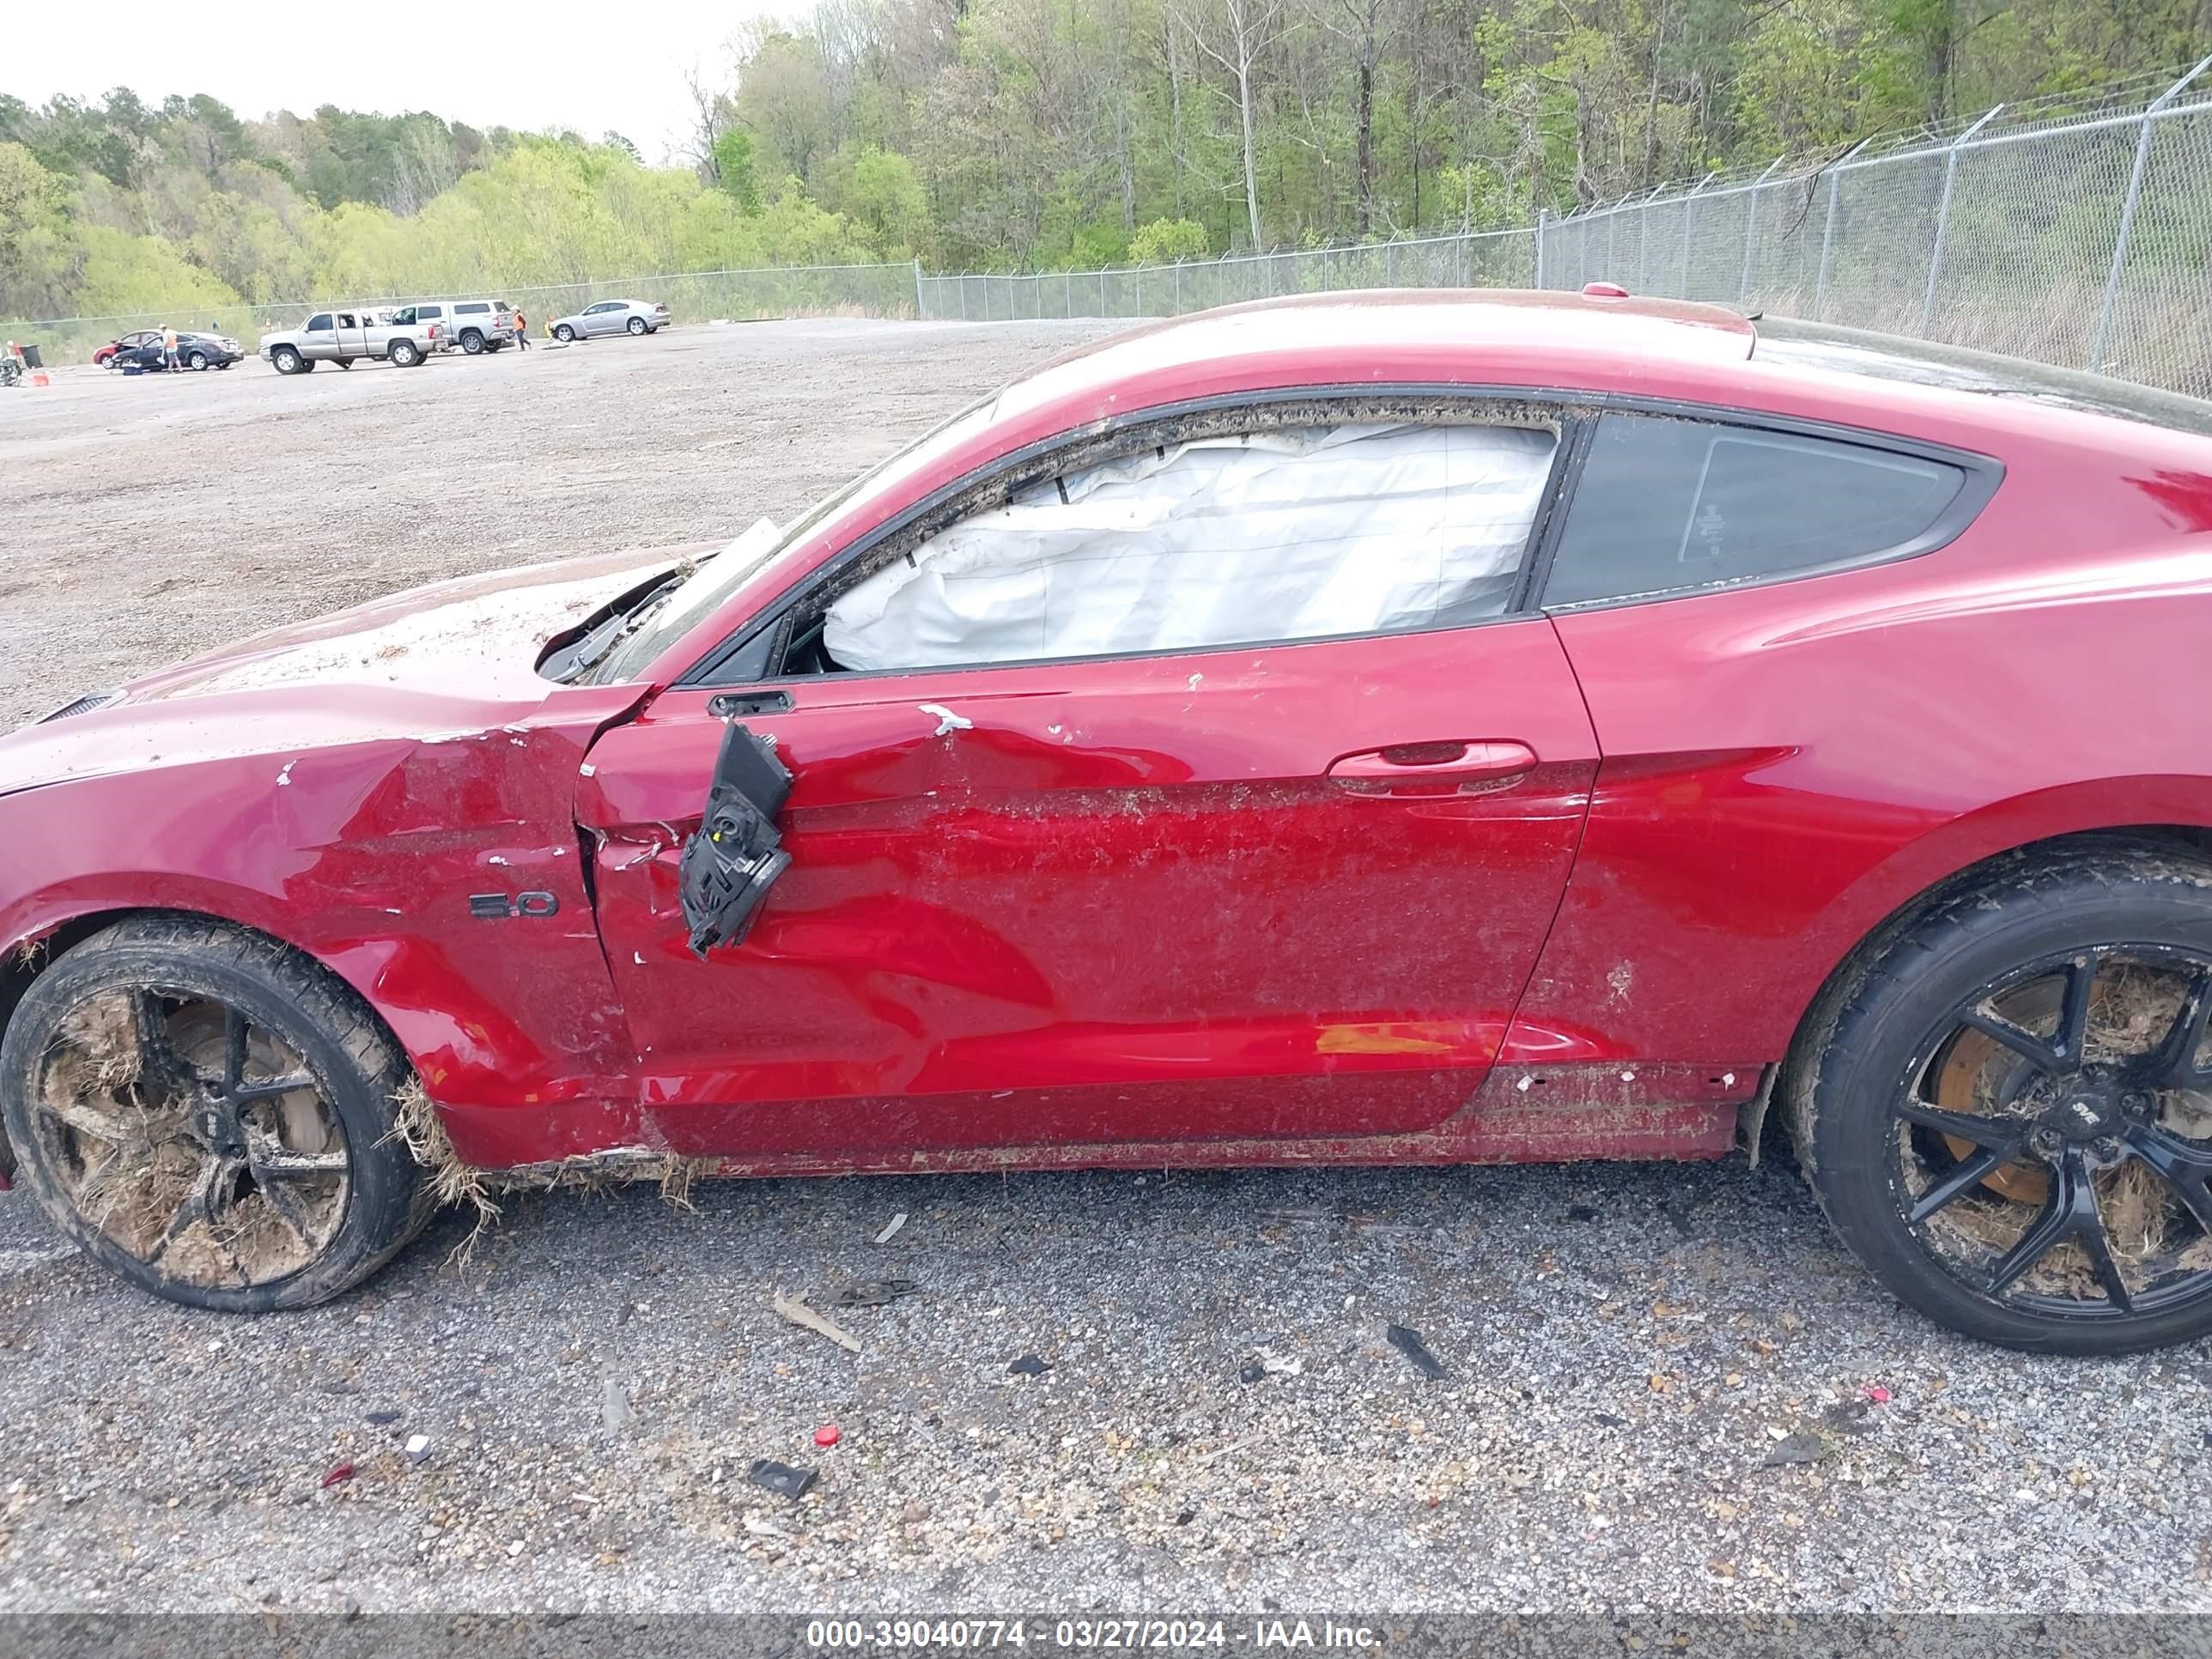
(594,68)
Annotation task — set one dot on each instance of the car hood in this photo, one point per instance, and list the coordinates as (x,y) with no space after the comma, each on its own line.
(430,662)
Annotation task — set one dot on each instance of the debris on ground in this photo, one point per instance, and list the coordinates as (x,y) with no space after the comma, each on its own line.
(1251,1373)
(419,1448)
(614,1404)
(343,1472)
(1581,1213)
(1409,1344)
(781,1478)
(795,1309)
(875,1292)
(1029,1364)
(1799,1447)
(1608,1420)
(1848,1417)
(891,1231)
(382,1419)
(828,1435)
(1876,1394)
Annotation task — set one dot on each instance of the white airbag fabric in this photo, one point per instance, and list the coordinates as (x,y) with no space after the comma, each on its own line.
(1271,536)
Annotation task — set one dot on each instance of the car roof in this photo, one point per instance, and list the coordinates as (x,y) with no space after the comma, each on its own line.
(1355,325)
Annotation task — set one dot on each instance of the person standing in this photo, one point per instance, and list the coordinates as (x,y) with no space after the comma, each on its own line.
(169,346)
(521,330)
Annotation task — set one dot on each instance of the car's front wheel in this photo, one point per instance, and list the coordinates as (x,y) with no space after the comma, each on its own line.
(2007,1110)
(287,361)
(210,1116)
(564,334)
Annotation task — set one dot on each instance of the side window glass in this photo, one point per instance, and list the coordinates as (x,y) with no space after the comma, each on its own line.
(345,319)
(404,317)
(320,320)
(1666,505)
(429,314)
(1296,533)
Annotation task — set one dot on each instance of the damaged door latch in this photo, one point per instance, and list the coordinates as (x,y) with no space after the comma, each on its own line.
(737,852)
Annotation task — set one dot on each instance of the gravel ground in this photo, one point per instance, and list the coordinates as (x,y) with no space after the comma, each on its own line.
(1659,1382)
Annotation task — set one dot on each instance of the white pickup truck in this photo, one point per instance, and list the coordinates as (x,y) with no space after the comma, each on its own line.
(344,337)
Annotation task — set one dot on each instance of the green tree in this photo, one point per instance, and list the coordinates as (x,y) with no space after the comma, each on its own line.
(1164,241)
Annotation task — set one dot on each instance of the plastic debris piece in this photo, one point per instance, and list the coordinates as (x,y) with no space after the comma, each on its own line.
(828,1435)
(382,1419)
(1251,1373)
(419,1448)
(1608,1420)
(781,1478)
(1794,1448)
(875,1292)
(1876,1392)
(796,1310)
(1409,1344)
(614,1404)
(343,1472)
(1028,1365)
(1276,1365)
(891,1231)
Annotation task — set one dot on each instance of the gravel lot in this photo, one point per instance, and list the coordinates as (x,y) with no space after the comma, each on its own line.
(1628,1349)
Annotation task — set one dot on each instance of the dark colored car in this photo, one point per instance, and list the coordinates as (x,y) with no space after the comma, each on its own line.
(1378,729)
(144,349)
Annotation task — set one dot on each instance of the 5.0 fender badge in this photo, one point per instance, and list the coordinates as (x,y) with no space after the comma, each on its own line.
(500,906)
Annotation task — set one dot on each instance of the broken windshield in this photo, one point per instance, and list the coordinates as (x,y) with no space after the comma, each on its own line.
(723,572)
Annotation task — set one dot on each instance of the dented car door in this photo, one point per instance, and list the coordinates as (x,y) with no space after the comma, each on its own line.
(1290,892)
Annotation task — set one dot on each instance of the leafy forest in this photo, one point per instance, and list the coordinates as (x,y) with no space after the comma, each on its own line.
(1009,135)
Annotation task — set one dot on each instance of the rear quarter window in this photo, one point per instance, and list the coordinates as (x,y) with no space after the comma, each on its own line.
(470,311)
(1667,506)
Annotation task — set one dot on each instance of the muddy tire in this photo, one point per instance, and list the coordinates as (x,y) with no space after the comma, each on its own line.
(210,1115)
(286,359)
(2006,1109)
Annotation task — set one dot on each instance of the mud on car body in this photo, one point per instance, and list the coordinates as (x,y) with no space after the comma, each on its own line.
(1370,729)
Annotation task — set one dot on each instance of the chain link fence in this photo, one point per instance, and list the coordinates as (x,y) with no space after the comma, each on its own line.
(1498,258)
(2076,233)
(2083,240)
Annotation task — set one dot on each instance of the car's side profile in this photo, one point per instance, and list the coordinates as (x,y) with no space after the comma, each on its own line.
(1433,728)
(634,317)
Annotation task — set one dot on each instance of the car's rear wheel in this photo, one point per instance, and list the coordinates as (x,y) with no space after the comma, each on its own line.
(210,1116)
(2007,1113)
(564,334)
(287,361)
(472,342)
(198,360)
(637,326)
(404,354)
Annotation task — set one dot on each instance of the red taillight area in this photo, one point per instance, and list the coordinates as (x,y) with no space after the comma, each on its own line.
(1605,290)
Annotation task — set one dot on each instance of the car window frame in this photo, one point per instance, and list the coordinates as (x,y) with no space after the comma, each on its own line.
(1576,411)
(1982,474)
(1035,462)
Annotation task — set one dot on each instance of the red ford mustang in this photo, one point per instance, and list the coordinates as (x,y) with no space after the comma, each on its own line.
(1409,728)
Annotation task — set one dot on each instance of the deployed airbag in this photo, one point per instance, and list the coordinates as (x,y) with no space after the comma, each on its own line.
(1281,535)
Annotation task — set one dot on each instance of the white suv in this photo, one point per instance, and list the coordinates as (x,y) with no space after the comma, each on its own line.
(475,325)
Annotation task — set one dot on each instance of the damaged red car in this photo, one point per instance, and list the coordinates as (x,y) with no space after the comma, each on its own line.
(1432,728)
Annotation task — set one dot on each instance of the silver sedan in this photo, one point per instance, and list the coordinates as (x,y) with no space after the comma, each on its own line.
(611,317)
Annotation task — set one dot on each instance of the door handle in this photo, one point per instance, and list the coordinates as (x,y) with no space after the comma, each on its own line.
(1430,768)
